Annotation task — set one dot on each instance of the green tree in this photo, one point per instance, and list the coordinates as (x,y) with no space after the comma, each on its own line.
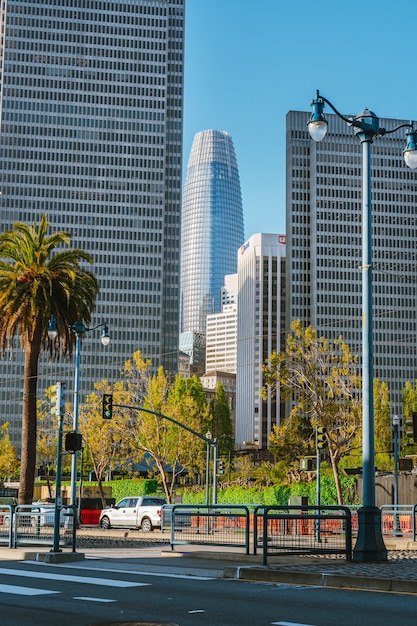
(106,447)
(290,441)
(383,423)
(171,447)
(9,464)
(409,397)
(37,282)
(321,379)
(220,422)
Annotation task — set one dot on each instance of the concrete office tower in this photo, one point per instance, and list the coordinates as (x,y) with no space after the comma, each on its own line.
(212,227)
(261,331)
(91,135)
(324,243)
(221,331)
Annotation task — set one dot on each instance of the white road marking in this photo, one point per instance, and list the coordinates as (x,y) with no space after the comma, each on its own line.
(104,582)
(289,624)
(24,591)
(123,571)
(93,599)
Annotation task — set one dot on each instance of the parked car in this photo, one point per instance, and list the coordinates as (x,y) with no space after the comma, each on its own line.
(144,512)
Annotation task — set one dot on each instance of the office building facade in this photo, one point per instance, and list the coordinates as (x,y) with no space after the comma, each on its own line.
(261,331)
(324,243)
(221,331)
(91,119)
(212,226)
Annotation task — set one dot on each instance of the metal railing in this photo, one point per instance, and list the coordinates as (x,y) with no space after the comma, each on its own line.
(217,524)
(399,519)
(6,516)
(33,524)
(302,530)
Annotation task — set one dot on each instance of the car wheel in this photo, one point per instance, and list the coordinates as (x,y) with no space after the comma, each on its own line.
(146,525)
(105,523)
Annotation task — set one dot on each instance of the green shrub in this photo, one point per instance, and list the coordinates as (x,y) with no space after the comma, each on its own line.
(132,487)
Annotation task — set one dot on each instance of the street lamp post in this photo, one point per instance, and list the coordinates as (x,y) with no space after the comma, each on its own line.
(396,444)
(79,329)
(370,544)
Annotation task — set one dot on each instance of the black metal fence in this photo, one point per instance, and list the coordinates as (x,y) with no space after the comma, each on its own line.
(309,530)
(33,525)
(220,525)
(272,529)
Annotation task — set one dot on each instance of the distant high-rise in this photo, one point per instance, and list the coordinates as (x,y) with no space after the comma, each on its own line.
(261,326)
(324,243)
(91,134)
(212,227)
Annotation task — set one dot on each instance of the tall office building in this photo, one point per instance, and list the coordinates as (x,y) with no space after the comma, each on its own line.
(324,243)
(221,331)
(261,331)
(91,135)
(212,227)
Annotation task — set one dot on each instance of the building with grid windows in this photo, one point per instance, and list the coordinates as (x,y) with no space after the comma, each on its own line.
(261,331)
(91,135)
(324,243)
(212,227)
(221,331)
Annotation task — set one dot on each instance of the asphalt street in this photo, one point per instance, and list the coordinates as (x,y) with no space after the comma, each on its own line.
(144,590)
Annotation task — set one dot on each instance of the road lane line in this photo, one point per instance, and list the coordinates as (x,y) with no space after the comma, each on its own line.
(126,571)
(24,591)
(93,599)
(105,582)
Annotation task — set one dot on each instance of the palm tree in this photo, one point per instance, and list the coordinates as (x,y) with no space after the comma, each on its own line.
(36,282)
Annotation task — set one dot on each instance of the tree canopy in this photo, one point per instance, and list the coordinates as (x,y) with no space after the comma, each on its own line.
(36,282)
(320,380)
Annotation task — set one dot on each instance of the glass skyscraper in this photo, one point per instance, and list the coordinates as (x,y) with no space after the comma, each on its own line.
(212,227)
(91,134)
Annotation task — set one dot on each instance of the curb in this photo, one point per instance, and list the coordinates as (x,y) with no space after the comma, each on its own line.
(320,579)
(20,554)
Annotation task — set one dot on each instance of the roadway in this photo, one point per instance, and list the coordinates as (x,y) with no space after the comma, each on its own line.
(141,586)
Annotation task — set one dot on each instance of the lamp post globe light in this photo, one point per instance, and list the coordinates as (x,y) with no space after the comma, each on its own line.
(370,544)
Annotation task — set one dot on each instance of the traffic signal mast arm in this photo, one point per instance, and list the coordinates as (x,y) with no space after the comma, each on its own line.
(166,417)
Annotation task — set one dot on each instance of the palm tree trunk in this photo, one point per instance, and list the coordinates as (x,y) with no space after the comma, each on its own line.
(29,419)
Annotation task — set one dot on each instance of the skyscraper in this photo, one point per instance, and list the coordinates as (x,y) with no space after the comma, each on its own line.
(261,322)
(91,119)
(212,227)
(324,243)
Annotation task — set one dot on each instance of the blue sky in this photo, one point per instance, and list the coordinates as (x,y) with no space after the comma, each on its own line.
(248,62)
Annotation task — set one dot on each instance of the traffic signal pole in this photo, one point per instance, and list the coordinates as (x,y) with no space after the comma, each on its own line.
(58,499)
(318,489)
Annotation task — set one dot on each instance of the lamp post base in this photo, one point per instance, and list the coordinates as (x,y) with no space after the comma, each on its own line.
(370,545)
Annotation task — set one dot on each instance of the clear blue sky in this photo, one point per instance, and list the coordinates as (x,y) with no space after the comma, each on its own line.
(248,62)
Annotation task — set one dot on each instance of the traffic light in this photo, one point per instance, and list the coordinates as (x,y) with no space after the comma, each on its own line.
(220,466)
(411,426)
(58,399)
(107,407)
(321,437)
(73,441)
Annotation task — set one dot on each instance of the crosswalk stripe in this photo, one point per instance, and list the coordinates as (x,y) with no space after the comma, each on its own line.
(105,582)
(24,591)
(93,599)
